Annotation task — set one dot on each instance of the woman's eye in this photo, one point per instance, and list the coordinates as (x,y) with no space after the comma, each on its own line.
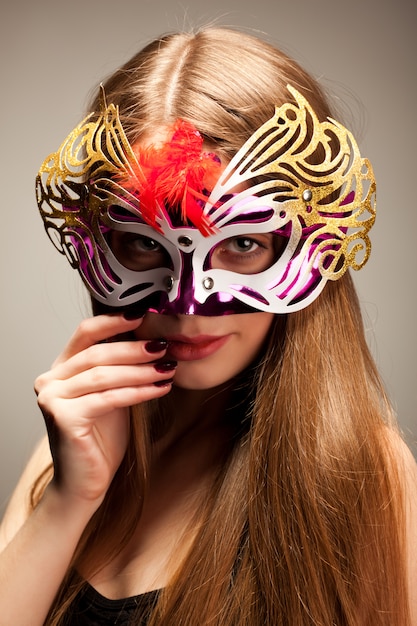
(243,244)
(138,252)
(246,254)
(143,243)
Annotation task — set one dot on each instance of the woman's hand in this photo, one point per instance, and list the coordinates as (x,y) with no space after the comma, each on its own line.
(85,398)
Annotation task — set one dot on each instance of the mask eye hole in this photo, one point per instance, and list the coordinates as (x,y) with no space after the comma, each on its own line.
(138,252)
(247,254)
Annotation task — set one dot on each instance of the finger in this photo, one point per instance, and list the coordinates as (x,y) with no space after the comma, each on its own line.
(76,414)
(94,330)
(117,353)
(105,377)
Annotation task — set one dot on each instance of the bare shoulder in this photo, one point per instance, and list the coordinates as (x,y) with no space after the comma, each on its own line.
(410,484)
(18,508)
(405,462)
(407,468)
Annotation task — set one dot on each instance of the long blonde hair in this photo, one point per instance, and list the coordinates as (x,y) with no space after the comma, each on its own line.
(305,513)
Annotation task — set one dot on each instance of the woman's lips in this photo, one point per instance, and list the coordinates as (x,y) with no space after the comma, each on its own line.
(182,348)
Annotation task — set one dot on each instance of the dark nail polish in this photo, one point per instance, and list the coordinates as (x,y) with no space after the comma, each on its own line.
(165,366)
(156,345)
(133,315)
(164,383)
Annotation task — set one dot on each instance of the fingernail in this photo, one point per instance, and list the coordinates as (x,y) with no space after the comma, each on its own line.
(133,315)
(164,383)
(156,345)
(165,366)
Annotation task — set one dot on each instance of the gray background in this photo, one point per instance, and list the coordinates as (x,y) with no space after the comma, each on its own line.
(54,52)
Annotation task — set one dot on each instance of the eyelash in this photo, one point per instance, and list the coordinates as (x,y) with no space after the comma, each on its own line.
(245,254)
(133,240)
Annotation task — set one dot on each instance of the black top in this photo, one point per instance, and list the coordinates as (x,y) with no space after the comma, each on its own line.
(90,608)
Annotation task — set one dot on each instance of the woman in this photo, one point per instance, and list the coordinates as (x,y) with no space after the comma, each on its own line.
(223,450)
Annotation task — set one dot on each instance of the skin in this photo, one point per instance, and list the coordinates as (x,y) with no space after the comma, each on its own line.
(241,337)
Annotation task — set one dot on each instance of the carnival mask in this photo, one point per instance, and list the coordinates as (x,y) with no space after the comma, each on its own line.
(145,226)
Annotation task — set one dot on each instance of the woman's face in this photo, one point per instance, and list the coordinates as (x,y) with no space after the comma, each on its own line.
(209,350)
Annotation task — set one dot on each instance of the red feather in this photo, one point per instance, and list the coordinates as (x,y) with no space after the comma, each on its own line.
(177,176)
